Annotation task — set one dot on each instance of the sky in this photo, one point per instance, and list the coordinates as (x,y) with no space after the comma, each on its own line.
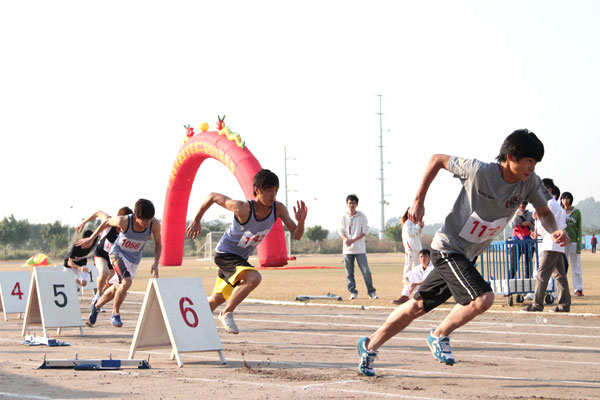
(94,96)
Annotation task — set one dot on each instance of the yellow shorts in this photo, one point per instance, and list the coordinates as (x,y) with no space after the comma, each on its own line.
(224,287)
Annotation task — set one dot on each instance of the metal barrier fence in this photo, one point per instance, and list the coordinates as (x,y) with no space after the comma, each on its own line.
(510,266)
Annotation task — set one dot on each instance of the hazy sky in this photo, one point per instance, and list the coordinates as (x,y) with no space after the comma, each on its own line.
(94,96)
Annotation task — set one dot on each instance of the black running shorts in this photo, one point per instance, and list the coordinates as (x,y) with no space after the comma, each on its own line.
(228,263)
(454,275)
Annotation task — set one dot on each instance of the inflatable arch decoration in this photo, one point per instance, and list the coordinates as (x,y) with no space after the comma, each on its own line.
(232,153)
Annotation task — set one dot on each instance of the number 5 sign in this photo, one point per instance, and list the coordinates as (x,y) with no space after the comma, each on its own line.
(52,301)
(14,287)
(176,314)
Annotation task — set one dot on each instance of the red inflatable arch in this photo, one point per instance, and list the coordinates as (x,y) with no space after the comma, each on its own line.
(272,251)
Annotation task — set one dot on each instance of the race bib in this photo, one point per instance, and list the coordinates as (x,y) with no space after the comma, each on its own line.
(131,245)
(250,239)
(107,246)
(478,230)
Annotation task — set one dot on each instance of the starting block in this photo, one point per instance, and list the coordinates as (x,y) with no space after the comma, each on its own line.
(33,340)
(328,296)
(92,365)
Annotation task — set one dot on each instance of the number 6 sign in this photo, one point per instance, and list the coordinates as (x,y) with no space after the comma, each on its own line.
(52,301)
(14,287)
(176,314)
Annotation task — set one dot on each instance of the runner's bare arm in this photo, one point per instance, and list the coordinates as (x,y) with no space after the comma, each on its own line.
(549,223)
(241,209)
(436,162)
(157,247)
(119,222)
(98,214)
(300,211)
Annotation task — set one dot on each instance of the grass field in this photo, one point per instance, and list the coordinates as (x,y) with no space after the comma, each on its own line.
(285,285)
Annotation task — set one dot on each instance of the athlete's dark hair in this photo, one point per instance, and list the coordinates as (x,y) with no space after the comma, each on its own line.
(566,195)
(549,184)
(521,143)
(425,252)
(144,209)
(352,197)
(265,179)
(124,211)
(87,233)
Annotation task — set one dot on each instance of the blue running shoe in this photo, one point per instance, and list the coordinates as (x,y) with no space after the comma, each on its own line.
(93,315)
(440,348)
(116,320)
(365,365)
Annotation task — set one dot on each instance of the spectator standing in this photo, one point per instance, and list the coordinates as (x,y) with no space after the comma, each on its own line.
(522,225)
(594,242)
(353,230)
(573,249)
(552,262)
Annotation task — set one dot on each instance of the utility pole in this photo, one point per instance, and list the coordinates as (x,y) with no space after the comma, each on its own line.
(382,228)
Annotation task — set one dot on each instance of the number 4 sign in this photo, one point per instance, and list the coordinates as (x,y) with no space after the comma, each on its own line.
(176,314)
(14,287)
(52,301)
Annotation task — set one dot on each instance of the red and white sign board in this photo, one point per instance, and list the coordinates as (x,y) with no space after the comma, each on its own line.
(175,313)
(14,287)
(52,301)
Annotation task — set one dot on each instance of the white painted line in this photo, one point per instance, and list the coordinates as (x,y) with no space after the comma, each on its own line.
(25,396)
(486,344)
(316,385)
(562,335)
(367,307)
(425,320)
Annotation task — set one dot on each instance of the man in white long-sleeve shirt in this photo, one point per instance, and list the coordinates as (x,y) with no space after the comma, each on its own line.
(353,230)
(552,258)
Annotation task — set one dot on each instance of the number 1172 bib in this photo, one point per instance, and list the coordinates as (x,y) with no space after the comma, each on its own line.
(478,230)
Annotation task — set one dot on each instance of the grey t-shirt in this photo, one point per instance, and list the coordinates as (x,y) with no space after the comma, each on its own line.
(484,206)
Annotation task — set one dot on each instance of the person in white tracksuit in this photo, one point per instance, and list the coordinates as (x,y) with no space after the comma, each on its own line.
(411,238)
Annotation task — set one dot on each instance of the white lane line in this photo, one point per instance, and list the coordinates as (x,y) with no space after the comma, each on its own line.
(416,352)
(323,384)
(447,309)
(464,356)
(424,320)
(562,335)
(25,396)
(486,344)
(408,372)
(292,388)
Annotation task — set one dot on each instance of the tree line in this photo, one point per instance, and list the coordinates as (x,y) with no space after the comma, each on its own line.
(19,239)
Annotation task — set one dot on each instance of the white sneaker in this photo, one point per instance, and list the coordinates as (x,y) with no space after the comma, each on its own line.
(353,296)
(373,295)
(529,297)
(228,322)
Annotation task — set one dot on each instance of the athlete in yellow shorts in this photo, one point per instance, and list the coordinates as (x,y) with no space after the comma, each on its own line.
(252,222)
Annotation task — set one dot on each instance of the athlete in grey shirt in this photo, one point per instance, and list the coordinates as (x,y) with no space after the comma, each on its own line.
(484,206)
(491,194)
